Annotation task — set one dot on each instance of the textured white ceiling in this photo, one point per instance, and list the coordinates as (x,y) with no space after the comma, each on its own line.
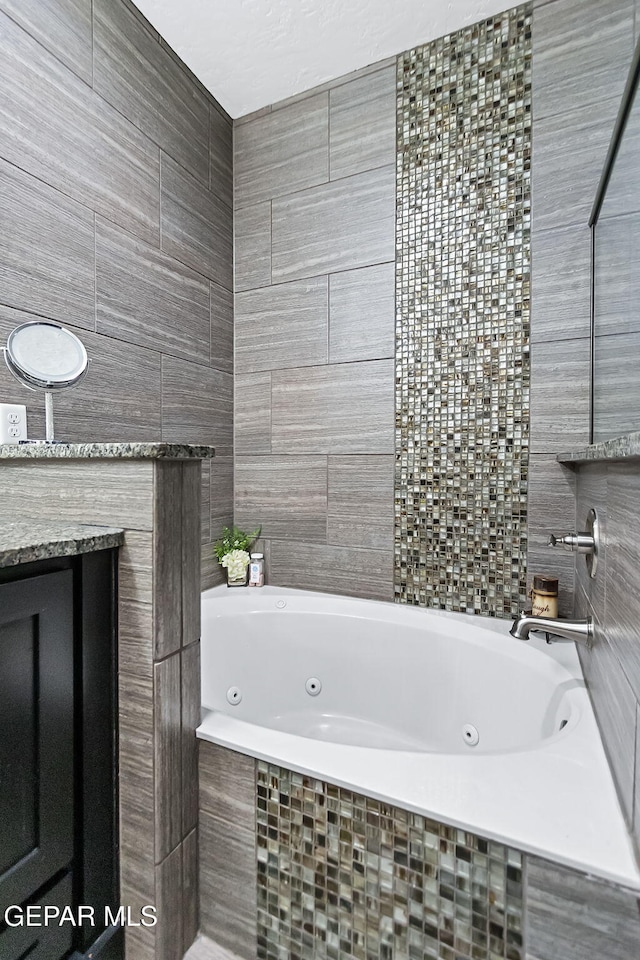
(250,53)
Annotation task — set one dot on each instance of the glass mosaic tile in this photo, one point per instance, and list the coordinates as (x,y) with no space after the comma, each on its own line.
(462,318)
(358,879)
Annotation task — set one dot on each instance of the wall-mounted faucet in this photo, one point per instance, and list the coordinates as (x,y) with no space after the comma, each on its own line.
(587,542)
(579,630)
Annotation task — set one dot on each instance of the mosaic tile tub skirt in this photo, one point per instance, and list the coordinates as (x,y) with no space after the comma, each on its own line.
(343,876)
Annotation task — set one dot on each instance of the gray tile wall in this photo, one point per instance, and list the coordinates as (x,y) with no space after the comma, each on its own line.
(227,824)
(581,54)
(612,665)
(314,315)
(570,144)
(116,204)
(157,502)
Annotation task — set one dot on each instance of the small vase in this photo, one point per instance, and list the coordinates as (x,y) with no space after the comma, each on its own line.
(238,581)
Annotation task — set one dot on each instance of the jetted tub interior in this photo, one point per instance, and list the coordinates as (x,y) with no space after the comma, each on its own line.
(343,673)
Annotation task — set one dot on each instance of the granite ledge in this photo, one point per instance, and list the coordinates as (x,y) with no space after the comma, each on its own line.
(105,451)
(23,541)
(626,447)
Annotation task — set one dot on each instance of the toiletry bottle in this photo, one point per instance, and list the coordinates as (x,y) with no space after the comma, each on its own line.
(256,570)
(544,596)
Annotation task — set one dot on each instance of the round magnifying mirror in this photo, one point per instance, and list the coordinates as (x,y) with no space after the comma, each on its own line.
(44,355)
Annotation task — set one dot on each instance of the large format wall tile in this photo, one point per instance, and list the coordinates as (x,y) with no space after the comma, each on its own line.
(136,783)
(190,911)
(360,501)
(196,226)
(286,496)
(591,494)
(561,290)
(362,123)
(168,900)
(135,74)
(46,250)
(622,567)
(332,569)
(167,757)
(147,298)
(571,62)
(70,138)
(362,314)
(282,326)
(190,563)
(228,849)
(221,352)
(353,223)
(220,495)
(282,152)
(252,246)
(252,412)
(341,408)
(616,395)
(614,705)
(197,404)
(559,395)
(636,804)
(167,561)
(205,477)
(191,717)
(221,155)
(62,26)
(118,400)
(339,238)
(570,150)
(227,785)
(551,506)
(575,917)
(617,271)
(79,498)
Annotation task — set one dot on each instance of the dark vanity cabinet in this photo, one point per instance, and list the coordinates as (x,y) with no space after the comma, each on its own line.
(58,784)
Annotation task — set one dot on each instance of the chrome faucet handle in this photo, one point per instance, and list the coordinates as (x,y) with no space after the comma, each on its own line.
(574,542)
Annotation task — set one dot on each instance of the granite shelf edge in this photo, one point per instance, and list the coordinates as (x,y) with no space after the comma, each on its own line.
(24,541)
(626,447)
(106,451)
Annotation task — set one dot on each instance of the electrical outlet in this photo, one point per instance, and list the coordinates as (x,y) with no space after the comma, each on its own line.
(13,422)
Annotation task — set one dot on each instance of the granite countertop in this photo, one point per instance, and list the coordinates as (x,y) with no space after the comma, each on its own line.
(105,451)
(22,541)
(619,448)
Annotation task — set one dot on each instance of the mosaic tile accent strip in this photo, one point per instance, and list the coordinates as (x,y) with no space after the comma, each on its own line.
(344,877)
(462,318)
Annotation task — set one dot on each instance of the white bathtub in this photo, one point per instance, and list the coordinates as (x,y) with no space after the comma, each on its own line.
(404,693)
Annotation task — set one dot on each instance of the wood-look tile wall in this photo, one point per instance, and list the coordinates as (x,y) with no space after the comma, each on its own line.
(116,208)
(158,504)
(581,53)
(314,322)
(612,665)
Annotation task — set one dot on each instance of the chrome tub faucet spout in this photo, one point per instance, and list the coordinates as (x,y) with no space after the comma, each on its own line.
(579,630)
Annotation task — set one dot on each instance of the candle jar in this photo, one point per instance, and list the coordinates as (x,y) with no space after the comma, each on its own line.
(544,596)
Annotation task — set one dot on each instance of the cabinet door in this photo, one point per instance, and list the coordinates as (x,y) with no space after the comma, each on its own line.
(36,733)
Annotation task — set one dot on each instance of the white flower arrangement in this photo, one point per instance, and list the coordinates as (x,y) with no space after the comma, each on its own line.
(232,551)
(236,563)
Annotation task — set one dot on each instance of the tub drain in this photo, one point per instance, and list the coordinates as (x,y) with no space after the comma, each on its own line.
(470,735)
